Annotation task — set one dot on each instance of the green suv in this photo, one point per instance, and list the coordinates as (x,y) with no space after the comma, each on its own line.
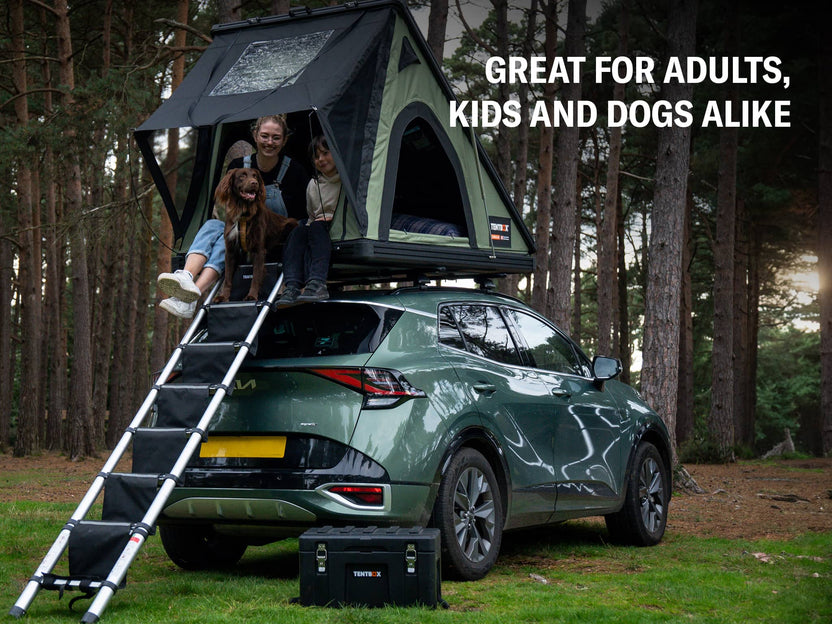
(454,408)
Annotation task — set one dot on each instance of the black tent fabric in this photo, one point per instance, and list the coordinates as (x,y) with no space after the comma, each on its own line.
(245,73)
(333,64)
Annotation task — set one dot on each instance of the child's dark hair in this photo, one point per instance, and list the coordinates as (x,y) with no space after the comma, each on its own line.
(318,141)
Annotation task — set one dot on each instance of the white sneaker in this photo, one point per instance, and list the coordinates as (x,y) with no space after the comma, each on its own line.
(179,308)
(180,285)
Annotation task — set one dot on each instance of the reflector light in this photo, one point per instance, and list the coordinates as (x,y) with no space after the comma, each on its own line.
(360,494)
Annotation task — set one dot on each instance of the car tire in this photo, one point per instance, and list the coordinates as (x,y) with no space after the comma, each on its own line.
(200,547)
(643,518)
(469,515)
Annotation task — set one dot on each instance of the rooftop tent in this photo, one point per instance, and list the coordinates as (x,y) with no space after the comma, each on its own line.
(420,197)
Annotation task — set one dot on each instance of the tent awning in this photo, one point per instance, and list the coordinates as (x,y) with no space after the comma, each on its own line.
(247,73)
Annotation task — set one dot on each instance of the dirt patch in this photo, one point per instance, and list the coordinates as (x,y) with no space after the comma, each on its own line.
(747,500)
(752,500)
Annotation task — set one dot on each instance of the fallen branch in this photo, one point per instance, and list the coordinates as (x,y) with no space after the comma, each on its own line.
(786,446)
(682,479)
(786,498)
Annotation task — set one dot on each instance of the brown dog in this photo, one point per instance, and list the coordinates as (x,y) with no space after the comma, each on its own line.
(251,229)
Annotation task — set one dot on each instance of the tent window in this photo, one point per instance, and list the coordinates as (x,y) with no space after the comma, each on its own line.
(266,65)
(427,198)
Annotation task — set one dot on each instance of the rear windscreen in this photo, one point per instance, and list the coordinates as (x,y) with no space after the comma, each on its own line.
(330,328)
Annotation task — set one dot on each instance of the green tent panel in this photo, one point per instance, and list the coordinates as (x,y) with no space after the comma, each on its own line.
(420,197)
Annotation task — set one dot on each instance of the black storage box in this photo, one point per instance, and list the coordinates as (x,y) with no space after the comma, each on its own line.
(370,566)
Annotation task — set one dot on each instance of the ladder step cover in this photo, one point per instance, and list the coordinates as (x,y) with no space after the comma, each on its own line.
(127,497)
(94,548)
(181,405)
(231,321)
(241,281)
(155,450)
(207,362)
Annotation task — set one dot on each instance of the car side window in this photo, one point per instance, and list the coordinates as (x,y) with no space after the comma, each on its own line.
(448,331)
(547,348)
(486,333)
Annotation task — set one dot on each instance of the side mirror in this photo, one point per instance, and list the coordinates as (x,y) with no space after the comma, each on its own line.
(605,367)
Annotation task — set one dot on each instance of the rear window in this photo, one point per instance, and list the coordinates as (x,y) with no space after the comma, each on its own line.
(332,328)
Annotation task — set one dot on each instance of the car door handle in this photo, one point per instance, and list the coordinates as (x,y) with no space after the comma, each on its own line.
(561,392)
(485,388)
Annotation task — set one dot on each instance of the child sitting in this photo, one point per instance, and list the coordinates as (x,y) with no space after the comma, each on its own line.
(307,253)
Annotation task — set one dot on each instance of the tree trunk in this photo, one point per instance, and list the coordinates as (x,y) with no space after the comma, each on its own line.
(7,351)
(503,160)
(79,442)
(55,298)
(721,417)
(280,7)
(437,25)
(608,231)
(121,391)
(824,237)
(755,279)
(159,348)
(624,347)
(29,261)
(229,11)
(141,366)
(577,286)
(510,284)
(563,204)
(743,432)
(543,219)
(660,370)
(684,405)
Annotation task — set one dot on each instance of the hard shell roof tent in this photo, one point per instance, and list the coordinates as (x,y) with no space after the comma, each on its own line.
(419,197)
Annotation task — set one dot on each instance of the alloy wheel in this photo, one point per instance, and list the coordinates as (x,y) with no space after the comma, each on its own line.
(474,514)
(651,494)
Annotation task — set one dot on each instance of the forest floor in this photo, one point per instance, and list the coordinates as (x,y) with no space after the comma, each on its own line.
(746,500)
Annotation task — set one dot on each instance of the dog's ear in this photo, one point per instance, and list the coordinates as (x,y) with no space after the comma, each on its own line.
(223,192)
(261,187)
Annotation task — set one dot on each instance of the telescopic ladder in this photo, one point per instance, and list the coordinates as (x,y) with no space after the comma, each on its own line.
(100,552)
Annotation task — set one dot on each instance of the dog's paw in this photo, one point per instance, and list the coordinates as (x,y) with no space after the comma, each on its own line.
(251,296)
(222,297)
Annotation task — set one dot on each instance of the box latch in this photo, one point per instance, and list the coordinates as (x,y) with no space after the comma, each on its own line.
(410,558)
(320,558)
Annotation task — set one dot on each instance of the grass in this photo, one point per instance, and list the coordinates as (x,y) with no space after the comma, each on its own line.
(562,574)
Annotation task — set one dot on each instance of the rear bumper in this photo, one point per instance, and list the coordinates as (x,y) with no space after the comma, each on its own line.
(256,512)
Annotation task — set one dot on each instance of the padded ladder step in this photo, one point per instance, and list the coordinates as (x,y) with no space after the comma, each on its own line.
(241,281)
(230,321)
(182,405)
(128,496)
(156,449)
(94,548)
(207,362)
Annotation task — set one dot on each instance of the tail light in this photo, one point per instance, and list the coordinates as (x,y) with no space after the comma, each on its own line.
(381,387)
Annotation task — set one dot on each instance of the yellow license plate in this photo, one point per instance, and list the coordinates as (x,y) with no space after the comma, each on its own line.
(244,446)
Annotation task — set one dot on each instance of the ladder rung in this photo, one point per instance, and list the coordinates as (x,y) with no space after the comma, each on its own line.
(204,362)
(95,546)
(155,450)
(230,321)
(182,405)
(128,496)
